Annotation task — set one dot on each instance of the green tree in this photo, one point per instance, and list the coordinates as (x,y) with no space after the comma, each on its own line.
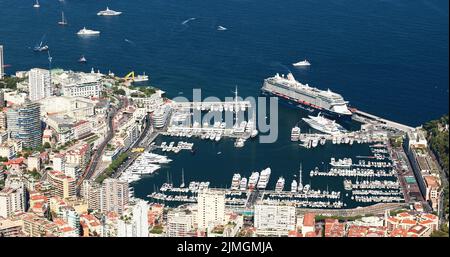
(47,145)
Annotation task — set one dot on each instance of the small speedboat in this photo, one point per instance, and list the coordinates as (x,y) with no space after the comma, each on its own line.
(221,28)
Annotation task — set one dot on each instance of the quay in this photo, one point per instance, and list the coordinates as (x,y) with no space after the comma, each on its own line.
(214,106)
(379,208)
(365,117)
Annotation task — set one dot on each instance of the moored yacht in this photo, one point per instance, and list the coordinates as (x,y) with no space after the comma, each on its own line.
(253,180)
(324,125)
(243,184)
(140,78)
(264,178)
(280,184)
(295,133)
(294,186)
(235,181)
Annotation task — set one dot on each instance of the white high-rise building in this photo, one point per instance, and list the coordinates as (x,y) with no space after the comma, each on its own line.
(72,218)
(134,222)
(114,195)
(211,208)
(2,71)
(180,223)
(59,162)
(275,217)
(39,85)
(12,200)
(72,170)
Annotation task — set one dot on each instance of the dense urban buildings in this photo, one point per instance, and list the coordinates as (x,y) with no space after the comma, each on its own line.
(211,209)
(274,219)
(114,195)
(24,124)
(73,145)
(39,84)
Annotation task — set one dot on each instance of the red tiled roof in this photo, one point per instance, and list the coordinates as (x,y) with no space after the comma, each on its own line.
(431,181)
(408,221)
(309,219)
(398,232)
(18,161)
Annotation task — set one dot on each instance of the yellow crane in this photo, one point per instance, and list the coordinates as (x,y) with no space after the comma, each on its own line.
(128,76)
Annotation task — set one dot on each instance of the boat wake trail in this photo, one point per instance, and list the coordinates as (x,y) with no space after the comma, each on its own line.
(129,41)
(188,20)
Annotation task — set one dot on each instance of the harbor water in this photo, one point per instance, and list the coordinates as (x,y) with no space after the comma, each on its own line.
(391,61)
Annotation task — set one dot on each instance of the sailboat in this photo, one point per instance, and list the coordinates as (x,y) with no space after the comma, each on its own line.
(300,184)
(63,20)
(37,5)
(182,178)
(41,47)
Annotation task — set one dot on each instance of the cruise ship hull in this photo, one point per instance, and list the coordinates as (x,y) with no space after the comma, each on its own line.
(314,110)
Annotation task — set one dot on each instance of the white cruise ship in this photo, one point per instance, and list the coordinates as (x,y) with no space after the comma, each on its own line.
(86,32)
(264,178)
(108,12)
(303,96)
(324,125)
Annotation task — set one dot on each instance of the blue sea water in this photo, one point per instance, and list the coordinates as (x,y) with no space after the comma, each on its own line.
(387,57)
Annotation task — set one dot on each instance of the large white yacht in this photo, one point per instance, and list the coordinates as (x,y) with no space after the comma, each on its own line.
(302,63)
(324,125)
(108,12)
(85,32)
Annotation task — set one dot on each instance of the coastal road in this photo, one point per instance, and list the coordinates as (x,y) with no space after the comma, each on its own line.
(143,141)
(98,153)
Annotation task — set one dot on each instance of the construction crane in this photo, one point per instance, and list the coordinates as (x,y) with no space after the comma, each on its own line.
(128,76)
(50,58)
